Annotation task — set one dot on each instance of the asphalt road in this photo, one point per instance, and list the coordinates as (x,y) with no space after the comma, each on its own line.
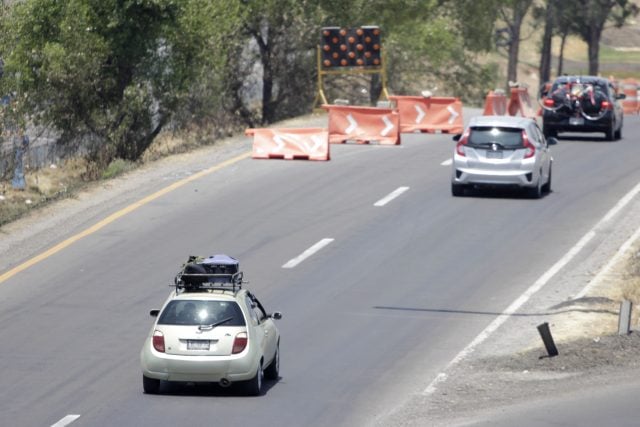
(369,319)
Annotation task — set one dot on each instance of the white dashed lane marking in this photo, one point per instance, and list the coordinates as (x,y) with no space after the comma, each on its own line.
(386,199)
(306,254)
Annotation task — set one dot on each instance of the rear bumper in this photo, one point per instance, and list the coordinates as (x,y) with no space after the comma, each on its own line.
(466,176)
(197,368)
(560,123)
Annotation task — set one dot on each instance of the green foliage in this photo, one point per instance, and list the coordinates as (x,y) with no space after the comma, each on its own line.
(117,167)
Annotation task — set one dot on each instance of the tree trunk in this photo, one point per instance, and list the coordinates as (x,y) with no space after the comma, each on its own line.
(545,51)
(514,49)
(563,41)
(594,50)
(267,75)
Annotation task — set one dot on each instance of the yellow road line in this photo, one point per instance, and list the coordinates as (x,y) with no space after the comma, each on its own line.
(111,218)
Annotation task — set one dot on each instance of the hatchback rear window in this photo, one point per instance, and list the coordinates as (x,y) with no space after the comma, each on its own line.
(484,136)
(199,312)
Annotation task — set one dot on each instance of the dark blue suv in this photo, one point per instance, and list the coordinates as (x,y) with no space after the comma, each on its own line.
(582,104)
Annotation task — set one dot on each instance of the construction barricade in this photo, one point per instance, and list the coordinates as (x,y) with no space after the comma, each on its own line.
(363,125)
(520,103)
(495,104)
(429,114)
(630,102)
(290,144)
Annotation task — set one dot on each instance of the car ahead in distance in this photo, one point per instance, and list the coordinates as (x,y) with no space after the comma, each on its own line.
(582,104)
(502,151)
(211,330)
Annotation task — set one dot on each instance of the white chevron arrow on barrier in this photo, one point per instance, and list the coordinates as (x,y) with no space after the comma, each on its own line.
(278,140)
(454,114)
(389,126)
(421,114)
(353,125)
(317,142)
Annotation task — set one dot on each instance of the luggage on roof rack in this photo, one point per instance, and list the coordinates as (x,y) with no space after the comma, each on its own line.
(214,272)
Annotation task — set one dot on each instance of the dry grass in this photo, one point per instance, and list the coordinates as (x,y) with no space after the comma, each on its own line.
(42,186)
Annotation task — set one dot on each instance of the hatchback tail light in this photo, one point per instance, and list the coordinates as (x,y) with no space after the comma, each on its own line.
(239,343)
(461,143)
(606,105)
(549,102)
(158,341)
(531,149)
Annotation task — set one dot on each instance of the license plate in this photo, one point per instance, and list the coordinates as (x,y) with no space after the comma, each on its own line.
(576,121)
(197,344)
(494,154)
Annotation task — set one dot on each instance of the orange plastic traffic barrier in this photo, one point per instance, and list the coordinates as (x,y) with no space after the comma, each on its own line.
(429,114)
(630,103)
(363,125)
(290,144)
(520,103)
(495,104)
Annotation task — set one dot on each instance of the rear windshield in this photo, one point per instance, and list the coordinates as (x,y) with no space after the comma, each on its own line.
(485,136)
(198,312)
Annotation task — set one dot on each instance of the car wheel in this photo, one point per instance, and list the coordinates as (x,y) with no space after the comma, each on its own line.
(547,187)
(150,385)
(457,190)
(536,192)
(609,134)
(254,385)
(273,370)
(548,132)
(618,133)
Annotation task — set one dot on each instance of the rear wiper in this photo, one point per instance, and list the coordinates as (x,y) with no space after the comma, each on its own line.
(213,325)
(488,144)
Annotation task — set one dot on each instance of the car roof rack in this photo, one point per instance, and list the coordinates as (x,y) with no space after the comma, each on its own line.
(199,274)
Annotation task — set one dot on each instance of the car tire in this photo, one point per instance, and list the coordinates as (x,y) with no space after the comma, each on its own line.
(547,187)
(273,370)
(150,385)
(457,190)
(253,387)
(609,134)
(548,132)
(536,192)
(618,133)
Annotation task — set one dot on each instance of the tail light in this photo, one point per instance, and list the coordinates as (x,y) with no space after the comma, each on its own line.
(606,105)
(531,149)
(548,102)
(239,343)
(158,341)
(461,143)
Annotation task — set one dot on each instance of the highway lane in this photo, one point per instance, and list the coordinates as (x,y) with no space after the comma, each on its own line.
(369,319)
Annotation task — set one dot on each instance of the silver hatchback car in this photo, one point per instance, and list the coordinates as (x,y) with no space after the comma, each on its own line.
(497,151)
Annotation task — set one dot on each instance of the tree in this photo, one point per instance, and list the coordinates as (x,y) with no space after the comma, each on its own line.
(283,33)
(590,19)
(512,13)
(113,71)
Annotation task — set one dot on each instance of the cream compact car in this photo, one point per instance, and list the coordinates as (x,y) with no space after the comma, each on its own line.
(210,329)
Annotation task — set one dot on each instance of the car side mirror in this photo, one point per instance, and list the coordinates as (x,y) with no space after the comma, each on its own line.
(457,137)
(552,140)
(276,315)
(154,313)
(621,96)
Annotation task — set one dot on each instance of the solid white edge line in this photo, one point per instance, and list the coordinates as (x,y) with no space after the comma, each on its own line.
(66,421)
(539,284)
(398,191)
(447,162)
(306,254)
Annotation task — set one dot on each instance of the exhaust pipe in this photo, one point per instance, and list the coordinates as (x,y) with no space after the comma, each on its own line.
(225,383)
